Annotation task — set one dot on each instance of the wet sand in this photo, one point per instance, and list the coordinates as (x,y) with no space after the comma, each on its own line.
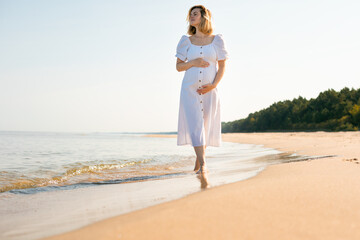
(317,199)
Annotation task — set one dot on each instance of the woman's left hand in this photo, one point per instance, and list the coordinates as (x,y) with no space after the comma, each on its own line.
(206,88)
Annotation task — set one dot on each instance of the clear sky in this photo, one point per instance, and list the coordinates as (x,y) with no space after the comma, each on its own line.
(109,65)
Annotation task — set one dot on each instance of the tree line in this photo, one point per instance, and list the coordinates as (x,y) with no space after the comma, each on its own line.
(330,111)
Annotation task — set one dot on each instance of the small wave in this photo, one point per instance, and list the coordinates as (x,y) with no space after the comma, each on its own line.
(97,169)
(88,184)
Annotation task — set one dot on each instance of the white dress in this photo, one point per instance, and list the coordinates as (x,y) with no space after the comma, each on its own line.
(199,115)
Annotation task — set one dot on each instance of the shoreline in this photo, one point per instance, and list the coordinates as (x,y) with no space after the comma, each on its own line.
(289,141)
(315,199)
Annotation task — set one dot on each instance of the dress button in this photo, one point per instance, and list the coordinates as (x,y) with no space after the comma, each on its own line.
(200,71)
(199,80)
(200,52)
(202,109)
(200,47)
(200,101)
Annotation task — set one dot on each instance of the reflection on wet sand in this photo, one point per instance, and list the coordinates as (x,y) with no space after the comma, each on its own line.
(283,157)
(204,181)
(286,157)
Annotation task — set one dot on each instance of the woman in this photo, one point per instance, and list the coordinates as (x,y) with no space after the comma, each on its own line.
(199,122)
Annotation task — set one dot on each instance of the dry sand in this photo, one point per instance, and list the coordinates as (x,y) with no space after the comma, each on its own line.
(317,199)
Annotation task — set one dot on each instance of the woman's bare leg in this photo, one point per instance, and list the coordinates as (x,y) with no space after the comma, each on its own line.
(200,155)
(197,163)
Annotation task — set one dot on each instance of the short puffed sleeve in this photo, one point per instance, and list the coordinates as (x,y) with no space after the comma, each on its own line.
(220,47)
(182,48)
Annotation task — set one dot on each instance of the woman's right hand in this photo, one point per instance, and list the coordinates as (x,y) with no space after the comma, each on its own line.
(200,62)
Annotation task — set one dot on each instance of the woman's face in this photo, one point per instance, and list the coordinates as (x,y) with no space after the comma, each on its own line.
(195,17)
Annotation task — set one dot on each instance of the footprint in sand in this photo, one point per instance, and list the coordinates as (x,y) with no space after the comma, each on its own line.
(354,160)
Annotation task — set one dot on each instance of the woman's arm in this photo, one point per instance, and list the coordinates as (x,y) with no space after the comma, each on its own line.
(183,66)
(220,73)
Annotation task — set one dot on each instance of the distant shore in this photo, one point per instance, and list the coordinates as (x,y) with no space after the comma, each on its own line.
(316,199)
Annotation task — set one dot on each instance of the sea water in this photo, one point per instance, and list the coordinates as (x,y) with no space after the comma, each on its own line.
(54,182)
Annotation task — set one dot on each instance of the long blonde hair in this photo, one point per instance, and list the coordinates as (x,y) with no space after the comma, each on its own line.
(205,25)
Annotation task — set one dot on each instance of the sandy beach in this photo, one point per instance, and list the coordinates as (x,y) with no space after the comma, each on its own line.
(314,199)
